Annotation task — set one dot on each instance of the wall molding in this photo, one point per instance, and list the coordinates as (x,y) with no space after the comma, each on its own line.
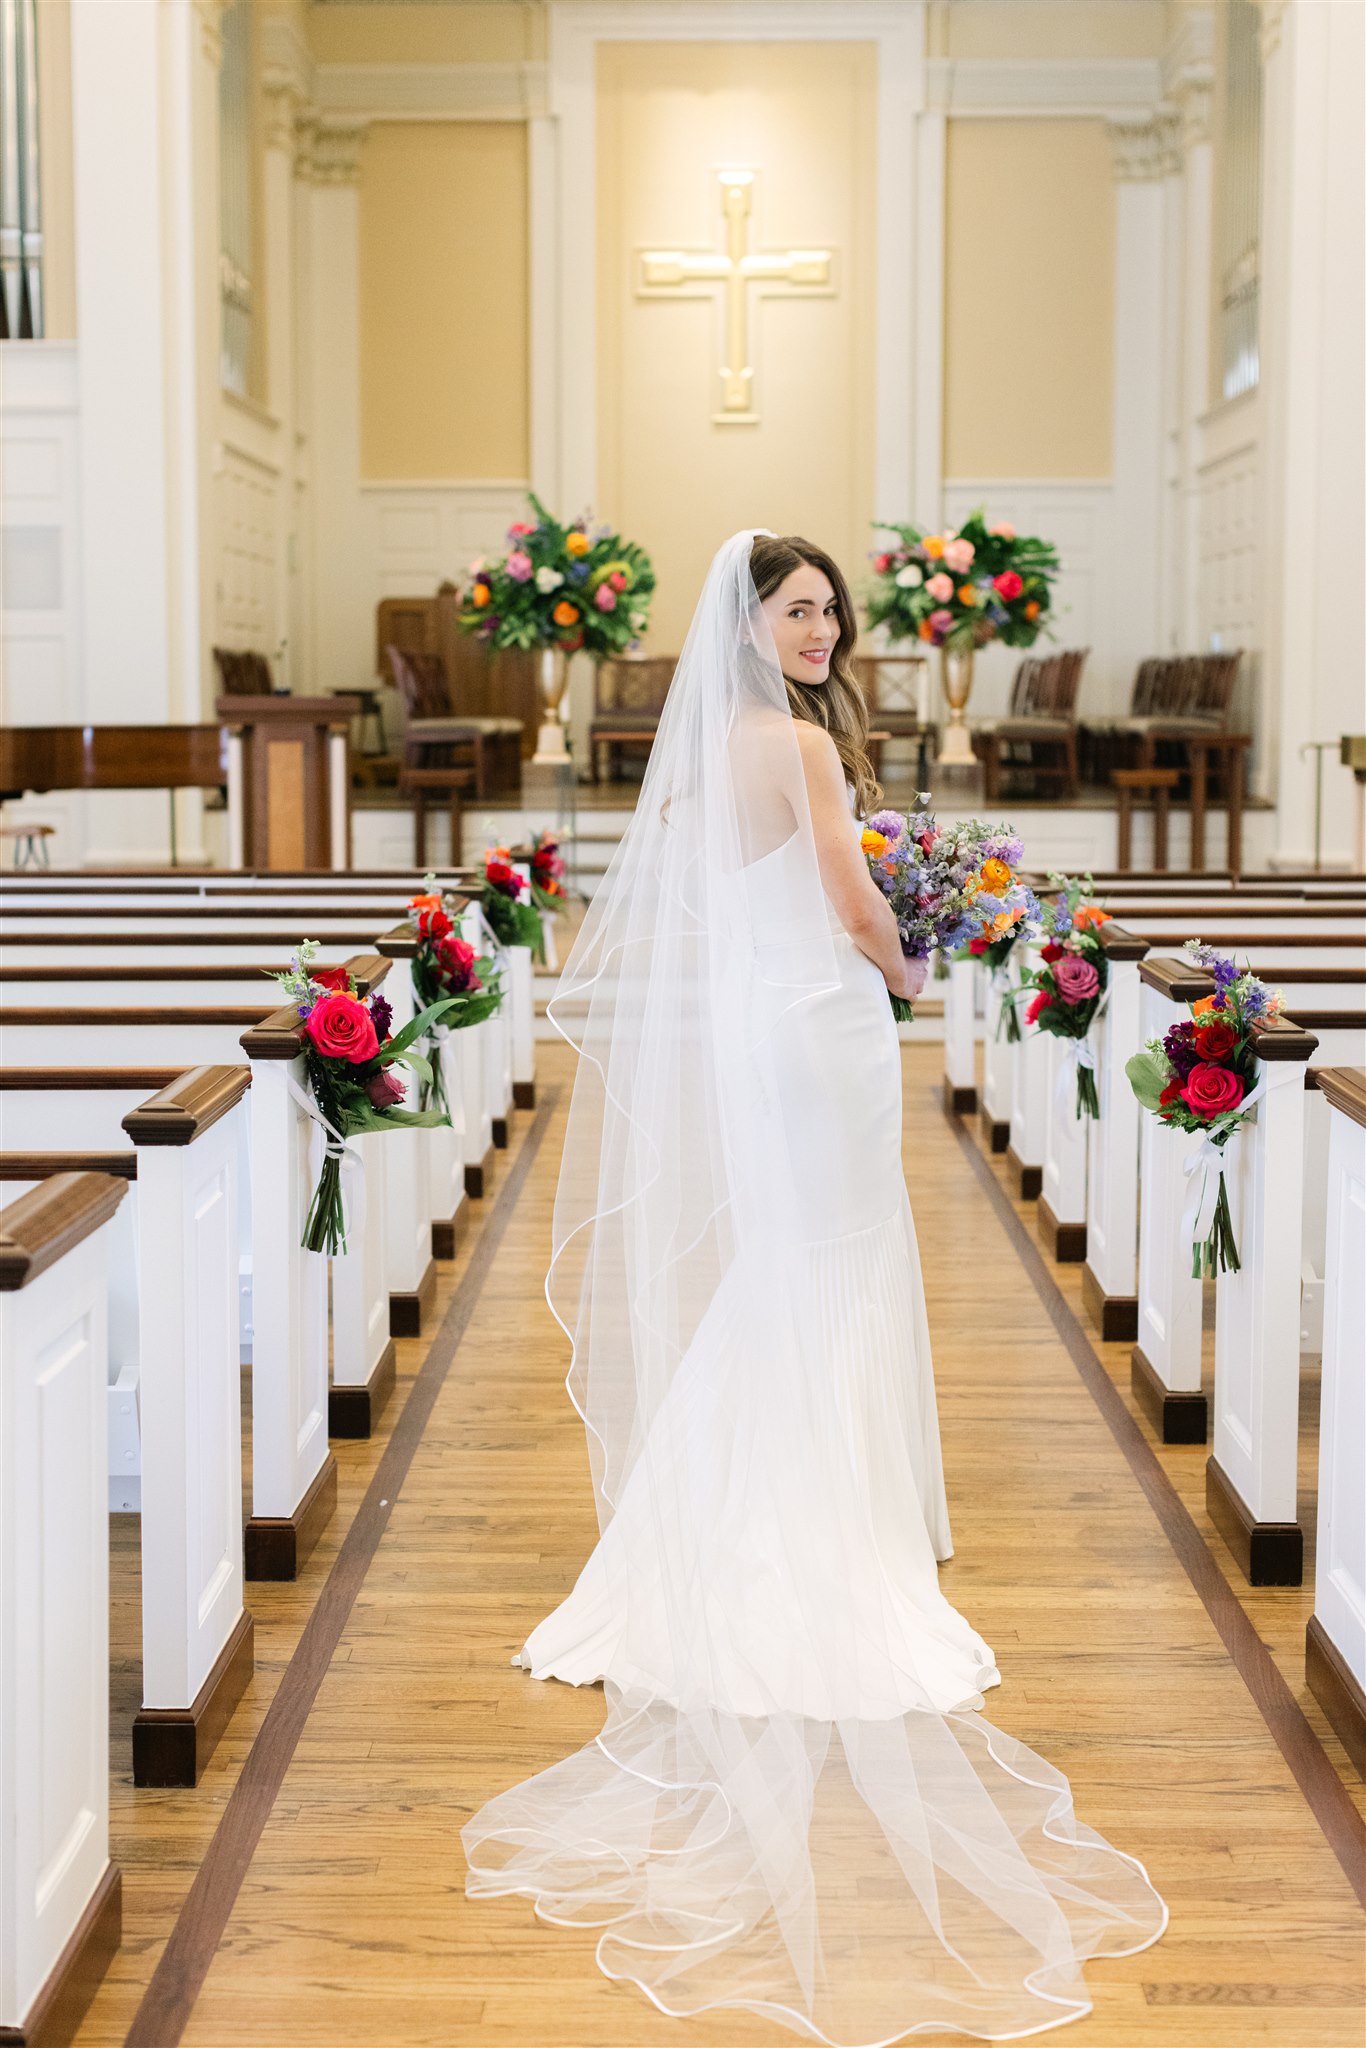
(1105,86)
(431,92)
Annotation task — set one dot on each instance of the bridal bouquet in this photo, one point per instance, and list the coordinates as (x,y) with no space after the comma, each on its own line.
(446,970)
(1200,1076)
(349,1059)
(1069,986)
(946,884)
(560,586)
(506,903)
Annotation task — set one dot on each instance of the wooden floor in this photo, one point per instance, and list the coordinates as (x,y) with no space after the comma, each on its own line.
(310,1891)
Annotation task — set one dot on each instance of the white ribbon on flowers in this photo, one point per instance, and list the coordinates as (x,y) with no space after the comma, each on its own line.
(352,1165)
(1209,1153)
(455,1104)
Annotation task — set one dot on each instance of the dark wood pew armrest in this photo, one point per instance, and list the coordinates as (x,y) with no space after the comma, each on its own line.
(1177,980)
(51,1220)
(177,1115)
(1345,1088)
(1117,944)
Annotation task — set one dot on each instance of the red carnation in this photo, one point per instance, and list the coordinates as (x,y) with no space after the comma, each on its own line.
(1008,585)
(1212,1091)
(1042,1001)
(1171,1093)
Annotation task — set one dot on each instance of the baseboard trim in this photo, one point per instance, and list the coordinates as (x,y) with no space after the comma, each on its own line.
(352,1412)
(278,1546)
(500,1133)
(995,1133)
(70,1985)
(1268,1553)
(524,1094)
(477,1176)
(1114,1315)
(409,1309)
(1065,1242)
(1335,1688)
(959,1101)
(1029,1178)
(171,1745)
(1177,1418)
(446,1235)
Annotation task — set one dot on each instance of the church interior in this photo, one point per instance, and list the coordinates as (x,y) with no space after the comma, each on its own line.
(327,329)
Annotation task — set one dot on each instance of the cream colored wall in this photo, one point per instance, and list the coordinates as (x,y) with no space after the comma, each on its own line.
(669,116)
(443,316)
(1029,299)
(55,169)
(505,32)
(1007,29)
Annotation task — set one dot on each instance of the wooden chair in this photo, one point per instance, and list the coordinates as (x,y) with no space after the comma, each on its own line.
(482,753)
(481,682)
(243,673)
(628,697)
(894,687)
(1039,732)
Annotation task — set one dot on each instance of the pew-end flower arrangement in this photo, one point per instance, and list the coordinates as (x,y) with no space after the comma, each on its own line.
(447,974)
(506,901)
(1071,979)
(350,1057)
(946,885)
(1201,1077)
(548,891)
(963,589)
(996,951)
(565,586)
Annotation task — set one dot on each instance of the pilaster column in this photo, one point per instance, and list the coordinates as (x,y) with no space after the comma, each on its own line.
(340,572)
(1143,157)
(282,98)
(145,133)
(1194,99)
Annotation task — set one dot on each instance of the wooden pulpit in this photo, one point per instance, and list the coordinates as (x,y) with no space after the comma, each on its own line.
(288,781)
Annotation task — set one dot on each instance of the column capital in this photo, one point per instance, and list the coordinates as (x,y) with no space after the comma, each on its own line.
(1144,147)
(1193,94)
(328,147)
(282,101)
(210,13)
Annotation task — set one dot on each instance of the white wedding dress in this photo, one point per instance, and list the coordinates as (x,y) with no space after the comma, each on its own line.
(795,1805)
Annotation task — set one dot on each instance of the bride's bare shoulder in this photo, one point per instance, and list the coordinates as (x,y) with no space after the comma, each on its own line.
(818,752)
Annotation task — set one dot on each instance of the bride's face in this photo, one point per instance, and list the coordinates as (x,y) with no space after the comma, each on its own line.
(805,627)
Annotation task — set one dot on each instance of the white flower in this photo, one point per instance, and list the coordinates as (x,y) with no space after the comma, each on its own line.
(911,577)
(637,622)
(548,580)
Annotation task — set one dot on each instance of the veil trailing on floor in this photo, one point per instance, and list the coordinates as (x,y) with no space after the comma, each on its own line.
(794,1805)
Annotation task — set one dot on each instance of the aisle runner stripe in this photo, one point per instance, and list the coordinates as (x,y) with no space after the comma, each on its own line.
(185,1961)
(1323,1789)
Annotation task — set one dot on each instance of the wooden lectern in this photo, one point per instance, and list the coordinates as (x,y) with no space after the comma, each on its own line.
(288,781)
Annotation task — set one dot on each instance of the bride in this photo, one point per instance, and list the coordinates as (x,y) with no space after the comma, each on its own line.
(795,1805)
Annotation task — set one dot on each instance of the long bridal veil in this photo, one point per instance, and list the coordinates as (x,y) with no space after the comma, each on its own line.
(795,1805)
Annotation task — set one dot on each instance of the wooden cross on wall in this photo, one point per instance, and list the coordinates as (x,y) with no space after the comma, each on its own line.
(685,274)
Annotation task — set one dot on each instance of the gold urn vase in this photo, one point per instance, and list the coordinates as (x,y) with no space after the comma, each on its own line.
(551,675)
(955,747)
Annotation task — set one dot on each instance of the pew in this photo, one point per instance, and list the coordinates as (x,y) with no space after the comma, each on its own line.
(1335,1637)
(61,1896)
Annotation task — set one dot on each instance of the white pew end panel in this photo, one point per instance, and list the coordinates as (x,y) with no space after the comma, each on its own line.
(1109,1279)
(60,1896)
(1335,1639)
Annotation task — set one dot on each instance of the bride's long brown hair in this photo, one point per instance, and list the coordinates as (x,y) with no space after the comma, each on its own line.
(836,705)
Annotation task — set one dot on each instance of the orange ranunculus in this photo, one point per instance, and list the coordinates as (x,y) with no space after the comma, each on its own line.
(967,594)
(933,546)
(432,902)
(481,593)
(576,543)
(1003,920)
(1201,1007)
(995,876)
(565,613)
(1088,915)
(1032,608)
(926,630)
(873,842)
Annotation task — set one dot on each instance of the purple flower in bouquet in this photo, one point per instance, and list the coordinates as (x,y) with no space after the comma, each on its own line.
(890,824)
(381,1010)
(1180,1048)
(1076,978)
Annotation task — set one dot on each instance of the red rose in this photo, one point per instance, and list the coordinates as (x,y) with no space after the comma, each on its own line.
(433,924)
(1042,1001)
(1051,952)
(456,961)
(384,1089)
(1211,1091)
(1008,585)
(1215,1038)
(331,977)
(501,877)
(342,1029)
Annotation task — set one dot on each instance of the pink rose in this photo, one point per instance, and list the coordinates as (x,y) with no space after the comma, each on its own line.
(940,587)
(940,621)
(605,598)
(1211,1091)
(958,556)
(1077,980)
(519,527)
(1003,530)
(384,1089)
(882,563)
(342,1029)
(519,566)
(1008,585)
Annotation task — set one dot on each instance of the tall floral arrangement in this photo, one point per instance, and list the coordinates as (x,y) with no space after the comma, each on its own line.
(350,1057)
(1201,1076)
(560,586)
(946,884)
(1070,981)
(962,589)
